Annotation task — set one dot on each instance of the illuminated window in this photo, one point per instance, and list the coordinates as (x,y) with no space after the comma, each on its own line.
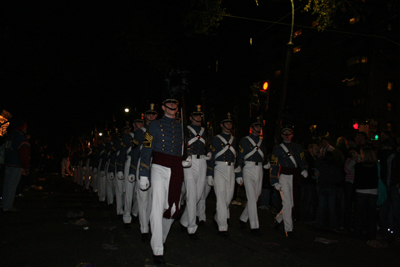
(357,60)
(364,59)
(354,20)
(297,33)
(389,86)
(389,106)
(296,49)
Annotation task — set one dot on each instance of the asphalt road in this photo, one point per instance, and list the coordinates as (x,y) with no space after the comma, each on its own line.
(64,225)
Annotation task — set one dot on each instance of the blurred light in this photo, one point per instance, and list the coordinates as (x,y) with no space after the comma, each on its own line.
(127,110)
(100,134)
(355,126)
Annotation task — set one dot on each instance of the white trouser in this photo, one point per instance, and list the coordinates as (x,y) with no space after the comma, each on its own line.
(110,187)
(195,178)
(119,183)
(129,187)
(160,177)
(94,180)
(201,206)
(287,202)
(224,184)
(102,186)
(252,178)
(144,203)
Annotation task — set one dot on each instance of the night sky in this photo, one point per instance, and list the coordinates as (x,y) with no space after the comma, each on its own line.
(69,66)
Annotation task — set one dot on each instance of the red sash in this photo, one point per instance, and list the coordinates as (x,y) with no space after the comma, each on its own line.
(175,181)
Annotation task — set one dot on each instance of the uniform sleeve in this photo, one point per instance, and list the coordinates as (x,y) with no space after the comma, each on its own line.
(274,172)
(211,162)
(147,151)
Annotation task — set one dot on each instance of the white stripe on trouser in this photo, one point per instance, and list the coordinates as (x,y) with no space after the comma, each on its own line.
(144,202)
(110,188)
(87,175)
(119,193)
(160,177)
(201,206)
(128,199)
(195,178)
(102,186)
(252,178)
(287,202)
(224,184)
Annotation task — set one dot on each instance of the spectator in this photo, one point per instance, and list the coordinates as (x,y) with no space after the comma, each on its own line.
(366,185)
(325,146)
(309,186)
(328,173)
(349,190)
(16,163)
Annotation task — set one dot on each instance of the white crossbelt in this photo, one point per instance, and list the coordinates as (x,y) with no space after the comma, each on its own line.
(290,154)
(228,145)
(196,136)
(256,148)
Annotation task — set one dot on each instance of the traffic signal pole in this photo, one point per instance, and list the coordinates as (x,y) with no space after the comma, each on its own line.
(289,52)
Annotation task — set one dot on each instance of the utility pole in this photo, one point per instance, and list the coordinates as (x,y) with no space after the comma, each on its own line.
(289,52)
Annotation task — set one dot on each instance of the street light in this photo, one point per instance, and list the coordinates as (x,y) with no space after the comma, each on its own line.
(126,110)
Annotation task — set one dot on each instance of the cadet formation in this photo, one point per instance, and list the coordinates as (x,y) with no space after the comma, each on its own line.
(151,167)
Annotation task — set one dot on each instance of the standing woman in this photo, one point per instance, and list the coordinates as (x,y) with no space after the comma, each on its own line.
(366,185)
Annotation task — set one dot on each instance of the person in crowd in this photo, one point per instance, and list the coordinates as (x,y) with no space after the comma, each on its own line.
(366,185)
(328,173)
(309,197)
(16,161)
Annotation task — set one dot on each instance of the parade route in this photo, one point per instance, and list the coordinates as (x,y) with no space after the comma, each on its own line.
(64,225)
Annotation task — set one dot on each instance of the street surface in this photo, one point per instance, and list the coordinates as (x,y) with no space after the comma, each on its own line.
(65,226)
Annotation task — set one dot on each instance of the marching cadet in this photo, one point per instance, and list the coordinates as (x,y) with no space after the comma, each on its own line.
(195,176)
(94,162)
(114,189)
(102,167)
(122,146)
(162,147)
(87,170)
(221,173)
(109,175)
(144,197)
(132,154)
(287,167)
(252,155)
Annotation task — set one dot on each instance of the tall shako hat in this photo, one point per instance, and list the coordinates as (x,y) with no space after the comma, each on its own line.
(287,128)
(227,119)
(198,111)
(151,110)
(139,120)
(256,122)
(170,100)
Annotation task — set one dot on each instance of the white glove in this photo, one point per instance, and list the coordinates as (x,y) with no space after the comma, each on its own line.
(132,135)
(210,180)
(209,155)
(267,166)
(111,176)
(304,173)
(187,163)
(239,180)
(120,176)
(278,186)
(238,169)
(131,178)
(144,183)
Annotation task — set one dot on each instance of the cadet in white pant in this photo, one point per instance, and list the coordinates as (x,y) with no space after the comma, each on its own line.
(221,174)
(251,157)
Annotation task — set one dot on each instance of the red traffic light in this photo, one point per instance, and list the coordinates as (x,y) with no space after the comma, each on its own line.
(265,86)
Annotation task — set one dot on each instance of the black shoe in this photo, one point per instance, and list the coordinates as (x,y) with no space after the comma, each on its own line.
(201,223)
(256,232)
(215,224)
(194,236)
(183,229)
(135,219)
(158,259)
(242,225)
(289,234)
(276,225)
(145,237)
(119,216)
(127,226)
(223,233)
